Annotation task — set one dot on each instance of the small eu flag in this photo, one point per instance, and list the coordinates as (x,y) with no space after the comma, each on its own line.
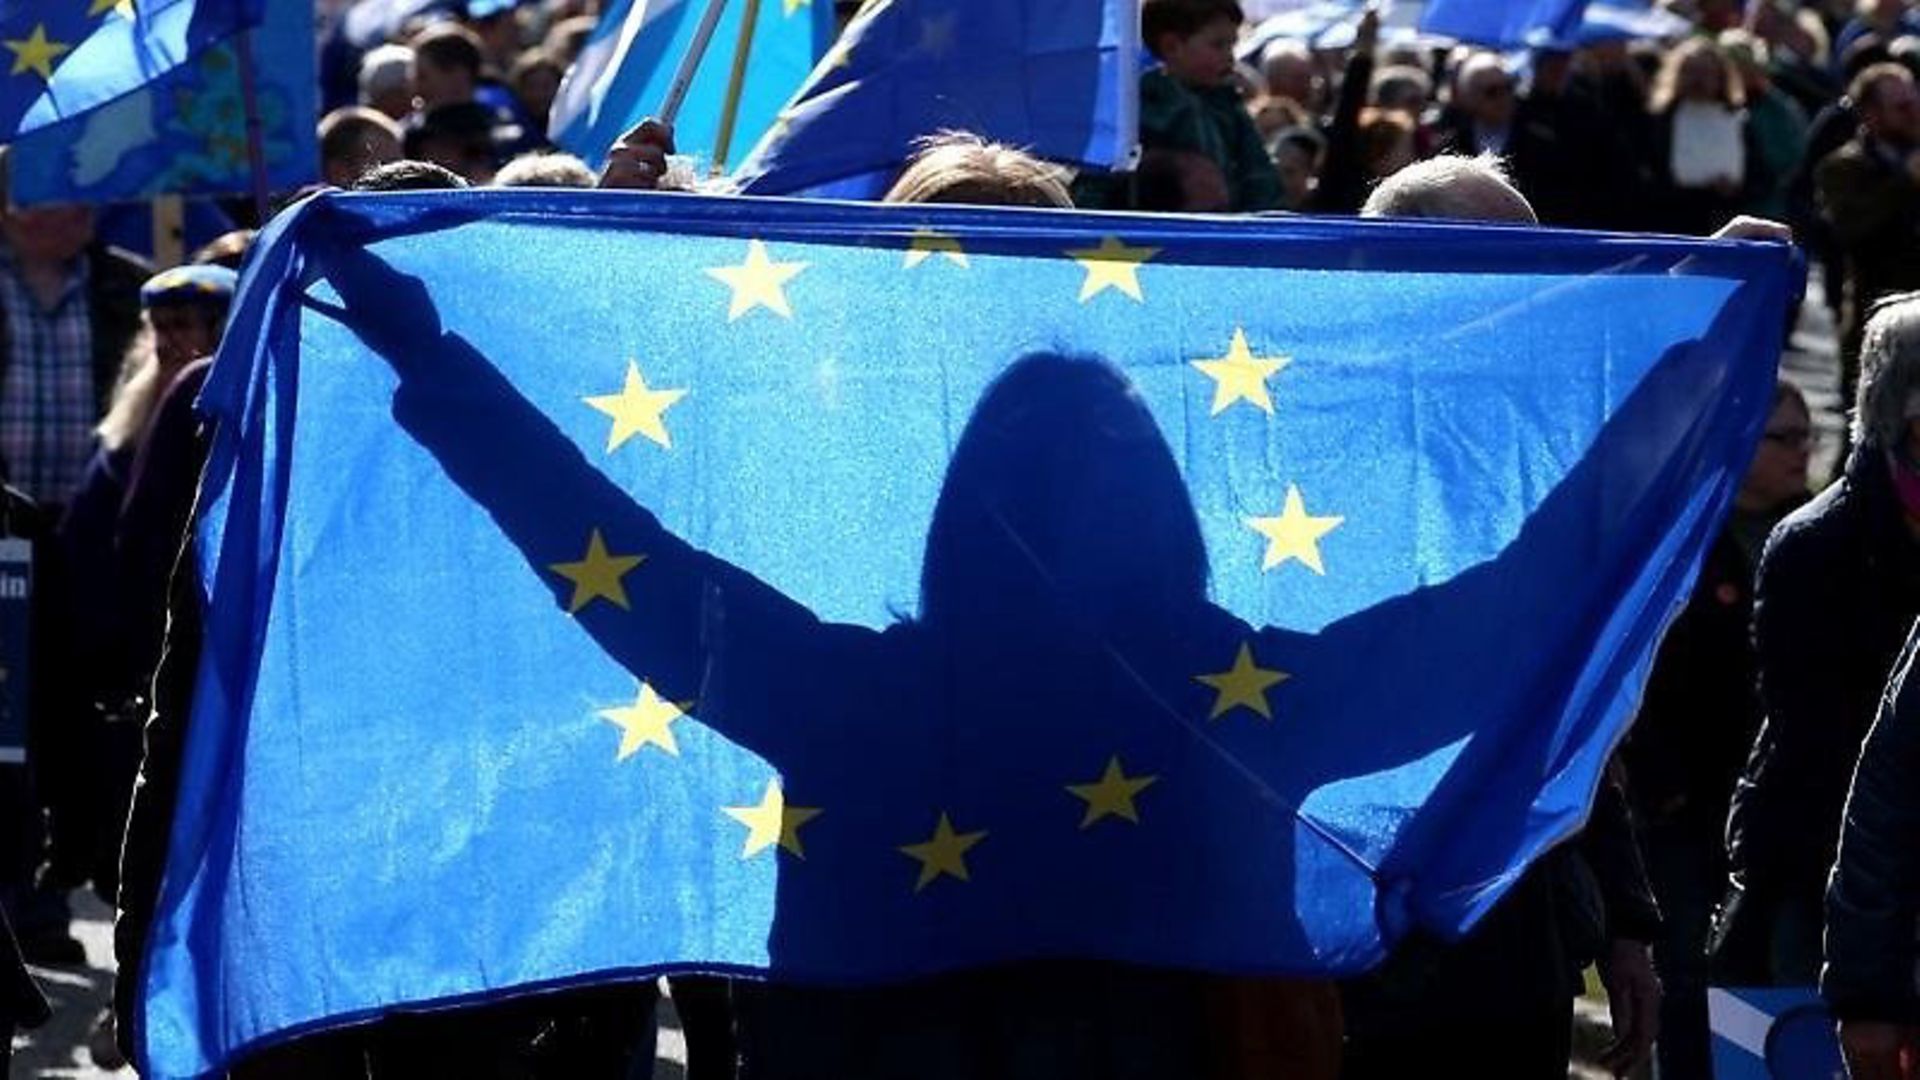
(1057,77)
(185,132)
(624,71)
(854,592)
(71,56)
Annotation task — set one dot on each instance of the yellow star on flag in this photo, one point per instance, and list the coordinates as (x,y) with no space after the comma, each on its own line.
(597,575)
(1111,795)
(35,53)
(646,722)
(757,282)
(636,410)
(118,7)
(772,822)
(1241,376)
(788,7)
(927,243)
(945,853)
(1244,684)
(1112,265)
(1295,534)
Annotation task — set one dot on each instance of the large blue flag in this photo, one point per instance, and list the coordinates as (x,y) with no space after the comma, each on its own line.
(69,56)
(622,75)
(854,592)
(1058,77)
(186,132)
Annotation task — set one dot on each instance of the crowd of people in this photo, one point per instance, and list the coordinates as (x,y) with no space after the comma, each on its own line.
(1711,852)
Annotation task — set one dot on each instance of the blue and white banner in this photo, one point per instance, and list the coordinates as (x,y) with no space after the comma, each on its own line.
(1772,1033)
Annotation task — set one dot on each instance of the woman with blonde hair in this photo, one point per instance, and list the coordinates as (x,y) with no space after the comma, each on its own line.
(960,167)
(1706,164)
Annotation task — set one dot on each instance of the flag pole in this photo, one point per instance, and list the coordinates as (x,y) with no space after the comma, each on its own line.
(730,109)
(690,63)
(250,98)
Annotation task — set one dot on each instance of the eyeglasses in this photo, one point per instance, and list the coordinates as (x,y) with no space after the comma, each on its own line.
(1790,438)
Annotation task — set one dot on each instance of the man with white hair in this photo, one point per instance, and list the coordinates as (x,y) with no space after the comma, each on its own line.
(1502,997)
(386,81)
(1291,73)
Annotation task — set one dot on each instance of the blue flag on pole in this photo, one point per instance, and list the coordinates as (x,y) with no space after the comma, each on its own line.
(185,133)
(855,592)
(623,73)
(69,56)
(1058,77)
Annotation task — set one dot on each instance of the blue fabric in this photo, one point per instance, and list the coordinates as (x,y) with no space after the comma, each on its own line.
(70,56)
(1773,1033)
(623,73)
(915,580)
(1503,22)
(185,132)
(1057,77)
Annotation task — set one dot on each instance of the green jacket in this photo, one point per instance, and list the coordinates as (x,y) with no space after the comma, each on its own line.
(1213,122)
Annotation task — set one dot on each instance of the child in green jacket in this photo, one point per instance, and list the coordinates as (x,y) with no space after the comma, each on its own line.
(1189,102)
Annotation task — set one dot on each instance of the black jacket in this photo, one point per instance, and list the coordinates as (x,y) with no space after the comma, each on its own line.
(1874,897)
(1839,587)
(1702,706)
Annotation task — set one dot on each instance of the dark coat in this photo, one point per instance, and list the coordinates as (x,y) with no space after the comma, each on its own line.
(1563,155)
(1872,207)
(1701,710)
(1212,122)
(1874,897)
(1839,587)
(1525,959)
(1688,211)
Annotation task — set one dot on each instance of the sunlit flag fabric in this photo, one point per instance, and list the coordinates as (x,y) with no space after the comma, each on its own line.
(623,73)
(186,132)
(1057,77)
(69,56)
(855,592)
(1503,24)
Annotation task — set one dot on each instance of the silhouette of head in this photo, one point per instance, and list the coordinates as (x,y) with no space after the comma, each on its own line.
(1062,500)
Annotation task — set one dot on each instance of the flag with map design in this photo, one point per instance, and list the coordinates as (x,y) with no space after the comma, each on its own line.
(603,584)
(67,57)
(185,132)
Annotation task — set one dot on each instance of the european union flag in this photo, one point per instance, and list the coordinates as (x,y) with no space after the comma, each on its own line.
(1058,77)
(185,132)
(69,56)
(623,73)
(853,592)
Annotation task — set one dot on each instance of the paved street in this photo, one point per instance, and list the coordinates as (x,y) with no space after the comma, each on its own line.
(59,1050)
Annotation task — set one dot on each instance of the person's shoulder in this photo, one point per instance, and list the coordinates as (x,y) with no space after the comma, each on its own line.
(118,268)
(1807,535)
